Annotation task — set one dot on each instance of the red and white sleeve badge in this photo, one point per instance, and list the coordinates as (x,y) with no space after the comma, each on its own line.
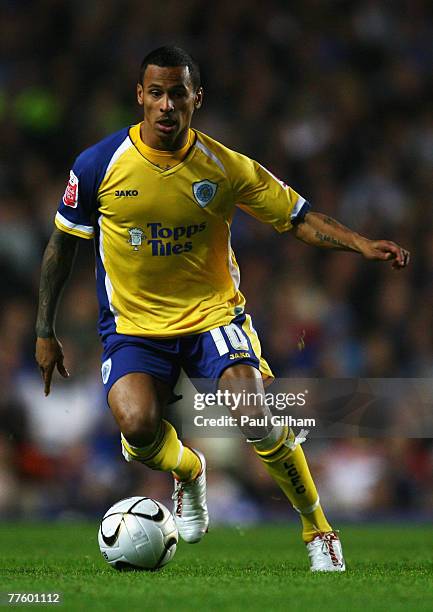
(70,197)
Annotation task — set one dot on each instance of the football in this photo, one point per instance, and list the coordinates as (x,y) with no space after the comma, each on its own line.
(138,533)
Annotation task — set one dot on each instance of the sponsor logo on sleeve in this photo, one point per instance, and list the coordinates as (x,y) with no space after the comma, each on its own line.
(70,197)
(204,192)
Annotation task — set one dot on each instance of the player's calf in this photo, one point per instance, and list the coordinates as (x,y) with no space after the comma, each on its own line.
(166,453)
(284,459)
(188,466)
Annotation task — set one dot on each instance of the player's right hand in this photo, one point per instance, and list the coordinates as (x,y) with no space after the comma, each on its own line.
(49,354)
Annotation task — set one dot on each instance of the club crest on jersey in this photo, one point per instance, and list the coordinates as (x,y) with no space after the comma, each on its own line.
(136,236)
(204,192)
(70,197)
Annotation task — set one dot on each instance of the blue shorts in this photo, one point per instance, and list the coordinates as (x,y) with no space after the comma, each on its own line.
(201,356)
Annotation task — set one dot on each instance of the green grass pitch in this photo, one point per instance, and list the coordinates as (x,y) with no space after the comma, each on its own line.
(262,568)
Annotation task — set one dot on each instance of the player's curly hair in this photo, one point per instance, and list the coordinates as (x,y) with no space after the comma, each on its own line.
(170,56)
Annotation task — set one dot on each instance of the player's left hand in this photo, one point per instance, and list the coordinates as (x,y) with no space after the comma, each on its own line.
(385,250)
(49,355)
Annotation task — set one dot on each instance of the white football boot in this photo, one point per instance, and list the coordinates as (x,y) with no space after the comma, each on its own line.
(190,508)
(326,554)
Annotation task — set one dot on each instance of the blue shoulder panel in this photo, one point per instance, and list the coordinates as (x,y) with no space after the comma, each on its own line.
(80,199)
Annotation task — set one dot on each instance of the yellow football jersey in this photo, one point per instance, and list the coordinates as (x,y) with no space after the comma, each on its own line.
(165,266)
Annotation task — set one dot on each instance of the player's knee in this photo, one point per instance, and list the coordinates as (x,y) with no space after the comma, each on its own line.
(140,426)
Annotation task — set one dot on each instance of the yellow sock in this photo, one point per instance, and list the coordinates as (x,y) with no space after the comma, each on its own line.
(289,468)
(166,453)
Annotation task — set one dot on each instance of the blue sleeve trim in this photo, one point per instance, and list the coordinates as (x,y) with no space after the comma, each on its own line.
(300,217)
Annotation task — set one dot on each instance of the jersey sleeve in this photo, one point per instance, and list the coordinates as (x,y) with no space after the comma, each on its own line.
(262,195)
(76,211)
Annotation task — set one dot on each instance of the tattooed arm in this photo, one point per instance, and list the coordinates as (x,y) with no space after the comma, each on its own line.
(57,264)
(323,231)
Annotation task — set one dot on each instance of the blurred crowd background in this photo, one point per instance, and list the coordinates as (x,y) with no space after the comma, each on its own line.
(333,97)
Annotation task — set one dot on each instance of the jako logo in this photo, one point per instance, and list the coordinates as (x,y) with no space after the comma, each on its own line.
(126,193)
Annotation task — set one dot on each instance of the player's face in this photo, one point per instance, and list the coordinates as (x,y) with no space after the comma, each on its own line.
(169,100)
